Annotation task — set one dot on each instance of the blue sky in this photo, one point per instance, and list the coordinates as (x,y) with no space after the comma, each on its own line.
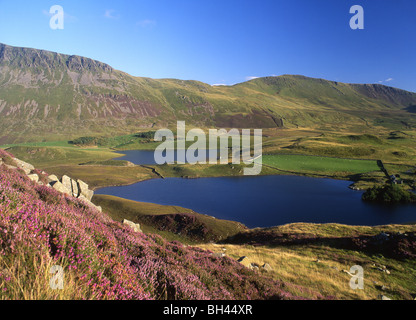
(227,41)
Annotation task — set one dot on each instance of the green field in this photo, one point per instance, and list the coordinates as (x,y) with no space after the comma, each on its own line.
(40,144)
(320,165)
(297,152)
(43,157)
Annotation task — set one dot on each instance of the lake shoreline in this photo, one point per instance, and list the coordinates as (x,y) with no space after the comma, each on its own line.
(357,171)
(286,173)
(267,200)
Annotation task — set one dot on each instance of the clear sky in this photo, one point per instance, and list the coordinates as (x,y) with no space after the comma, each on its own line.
(227,41)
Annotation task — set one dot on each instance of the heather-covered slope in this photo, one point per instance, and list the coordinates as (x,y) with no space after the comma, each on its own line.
(103,259)
(52,96)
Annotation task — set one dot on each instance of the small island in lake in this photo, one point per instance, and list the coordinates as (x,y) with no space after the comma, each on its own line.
(389,193)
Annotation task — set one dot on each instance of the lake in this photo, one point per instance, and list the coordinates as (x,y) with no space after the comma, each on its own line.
(138,156)
(146,157)
(265,201)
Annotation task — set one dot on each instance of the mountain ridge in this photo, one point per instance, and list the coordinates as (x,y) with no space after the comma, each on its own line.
(43,93)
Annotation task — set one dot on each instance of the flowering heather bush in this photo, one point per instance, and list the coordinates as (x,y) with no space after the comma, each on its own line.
(397,245)
(183,223)
(103,259)
(43,176)
(7,158)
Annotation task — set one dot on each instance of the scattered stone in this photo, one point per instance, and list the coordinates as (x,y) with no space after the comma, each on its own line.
(245,261)
(77,189)
(266,267)
(382,237)
(52,178)
(82,185)
(218,255)
(81,197)
(84,191)
(33,177)
(88,194)
(347,272)
(383,269)
(383,297)
(58,186)
(74,188)
(66,181)
(10,167)
(134,226)
(27,167)
(354,187)
(383,288)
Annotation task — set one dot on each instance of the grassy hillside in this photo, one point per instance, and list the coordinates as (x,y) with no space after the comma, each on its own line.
(319,257)
(103,259)
(171,222)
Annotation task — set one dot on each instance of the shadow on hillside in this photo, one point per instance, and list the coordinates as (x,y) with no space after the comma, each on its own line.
(393,245)
(411,109)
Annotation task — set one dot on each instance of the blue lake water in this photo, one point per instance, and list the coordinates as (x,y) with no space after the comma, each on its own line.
(146,157)
(264,201)
(138,156)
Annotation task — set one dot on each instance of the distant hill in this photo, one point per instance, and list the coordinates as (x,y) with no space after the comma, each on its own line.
(47,95)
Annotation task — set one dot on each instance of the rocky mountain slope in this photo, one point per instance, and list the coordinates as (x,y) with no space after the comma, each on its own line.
(47,95)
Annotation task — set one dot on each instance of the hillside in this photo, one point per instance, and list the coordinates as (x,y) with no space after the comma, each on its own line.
(103,259)
(319,257)
(51,96)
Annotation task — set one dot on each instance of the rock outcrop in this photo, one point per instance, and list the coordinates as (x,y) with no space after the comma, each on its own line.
(26,167)
(75,188)
(245,261)
(33,177)
(134,226)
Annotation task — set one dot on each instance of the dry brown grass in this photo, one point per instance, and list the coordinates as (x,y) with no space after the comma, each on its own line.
(29,285)
(321,267)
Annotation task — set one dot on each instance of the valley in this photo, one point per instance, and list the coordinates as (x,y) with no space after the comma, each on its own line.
(74,116)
